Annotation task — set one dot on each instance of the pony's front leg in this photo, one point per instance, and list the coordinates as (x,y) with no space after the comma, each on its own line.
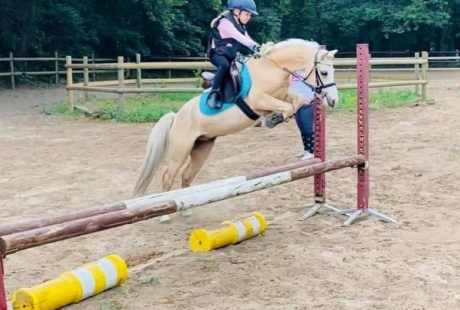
(270,103)
(296,100)
(283,110)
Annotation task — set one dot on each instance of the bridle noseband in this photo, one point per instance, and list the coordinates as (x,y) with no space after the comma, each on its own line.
(320,86)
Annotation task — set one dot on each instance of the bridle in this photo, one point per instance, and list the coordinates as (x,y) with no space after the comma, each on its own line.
(320,86)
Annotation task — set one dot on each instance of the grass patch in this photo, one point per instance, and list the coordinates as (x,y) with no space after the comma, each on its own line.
(62,109)
(135,109)
(151,108)
(379,99)
(144,109)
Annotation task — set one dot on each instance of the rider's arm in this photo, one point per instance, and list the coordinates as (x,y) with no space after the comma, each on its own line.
(228,30)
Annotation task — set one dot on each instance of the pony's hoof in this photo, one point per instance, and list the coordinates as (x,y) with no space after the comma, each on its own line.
(187,213)
(273,120)
(165,219)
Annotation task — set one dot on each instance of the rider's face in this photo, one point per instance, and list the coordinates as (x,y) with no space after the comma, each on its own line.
(245,16)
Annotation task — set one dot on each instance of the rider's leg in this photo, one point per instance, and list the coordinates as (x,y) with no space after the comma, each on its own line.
(305,122)
(223,66)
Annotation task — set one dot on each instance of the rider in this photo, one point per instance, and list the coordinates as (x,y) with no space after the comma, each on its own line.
(229,36)
(305,114)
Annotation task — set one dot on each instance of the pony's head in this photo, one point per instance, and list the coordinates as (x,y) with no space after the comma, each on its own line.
(297,54)
(325,78)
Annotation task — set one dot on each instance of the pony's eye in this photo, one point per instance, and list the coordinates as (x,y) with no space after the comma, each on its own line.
(324,73)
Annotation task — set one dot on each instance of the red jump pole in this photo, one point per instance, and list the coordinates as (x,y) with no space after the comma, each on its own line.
(3,305)
(362,207)
(320,150)
(320,147)
(362,85)
(319,185)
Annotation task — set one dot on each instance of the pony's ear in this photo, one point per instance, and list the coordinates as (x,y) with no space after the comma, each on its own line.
(332,53)
(328,55)
(265,48)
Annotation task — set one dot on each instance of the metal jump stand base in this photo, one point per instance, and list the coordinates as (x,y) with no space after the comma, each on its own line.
(352,214)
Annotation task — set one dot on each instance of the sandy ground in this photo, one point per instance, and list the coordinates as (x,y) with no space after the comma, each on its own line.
(52,165)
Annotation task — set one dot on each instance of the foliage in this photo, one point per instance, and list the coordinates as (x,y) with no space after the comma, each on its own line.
(181,27)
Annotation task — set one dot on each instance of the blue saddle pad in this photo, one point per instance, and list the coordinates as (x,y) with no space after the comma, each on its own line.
(246,83)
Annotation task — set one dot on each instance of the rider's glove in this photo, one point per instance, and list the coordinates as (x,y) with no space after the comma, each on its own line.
(256,49)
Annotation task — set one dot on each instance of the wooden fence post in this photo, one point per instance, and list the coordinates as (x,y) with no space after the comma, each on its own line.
(417,73)
(70,94)
(93,60)
(56,67)
(13,84)
(85,76)
(138,71)
(169,71)
(121,81)
(424,74)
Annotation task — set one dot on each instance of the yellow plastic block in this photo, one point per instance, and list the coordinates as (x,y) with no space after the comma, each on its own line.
(73,286)
(231,232)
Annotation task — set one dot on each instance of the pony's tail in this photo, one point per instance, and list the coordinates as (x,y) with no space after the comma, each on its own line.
(156,149)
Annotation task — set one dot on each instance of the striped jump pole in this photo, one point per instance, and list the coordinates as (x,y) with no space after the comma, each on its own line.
(49,234)
(10,228)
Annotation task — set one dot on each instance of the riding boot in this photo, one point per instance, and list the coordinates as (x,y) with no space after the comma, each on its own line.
(214,100)
(308,146)
(215,97)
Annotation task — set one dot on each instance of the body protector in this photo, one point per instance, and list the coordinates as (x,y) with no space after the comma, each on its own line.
(227,47)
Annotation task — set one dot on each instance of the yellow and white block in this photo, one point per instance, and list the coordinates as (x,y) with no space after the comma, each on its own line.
(202,240)
(73,286)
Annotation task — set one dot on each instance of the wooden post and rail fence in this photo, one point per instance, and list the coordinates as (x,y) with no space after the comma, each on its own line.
(56,67)
(88,67)
(418,64)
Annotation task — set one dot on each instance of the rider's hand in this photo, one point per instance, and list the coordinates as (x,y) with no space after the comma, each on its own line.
(256,49)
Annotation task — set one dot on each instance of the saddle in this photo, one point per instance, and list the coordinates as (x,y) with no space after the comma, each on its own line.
(231,92)
(231,86)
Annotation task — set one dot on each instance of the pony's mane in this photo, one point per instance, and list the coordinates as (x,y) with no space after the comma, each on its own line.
(294,42)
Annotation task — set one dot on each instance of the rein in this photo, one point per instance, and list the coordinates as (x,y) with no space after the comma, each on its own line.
(318,89)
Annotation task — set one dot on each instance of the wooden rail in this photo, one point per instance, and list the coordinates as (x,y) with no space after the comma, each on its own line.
(182,63)
(418,64)
(58,64)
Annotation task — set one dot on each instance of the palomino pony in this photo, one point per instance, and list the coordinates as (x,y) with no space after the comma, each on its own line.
(187,137)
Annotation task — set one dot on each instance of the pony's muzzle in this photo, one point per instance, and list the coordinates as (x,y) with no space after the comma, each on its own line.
(331,102)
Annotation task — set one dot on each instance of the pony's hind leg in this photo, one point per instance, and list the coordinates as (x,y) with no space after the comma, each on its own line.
(198,156)
(178,153)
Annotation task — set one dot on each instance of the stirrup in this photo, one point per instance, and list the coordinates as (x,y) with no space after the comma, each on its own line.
(213,101)
(273,120)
